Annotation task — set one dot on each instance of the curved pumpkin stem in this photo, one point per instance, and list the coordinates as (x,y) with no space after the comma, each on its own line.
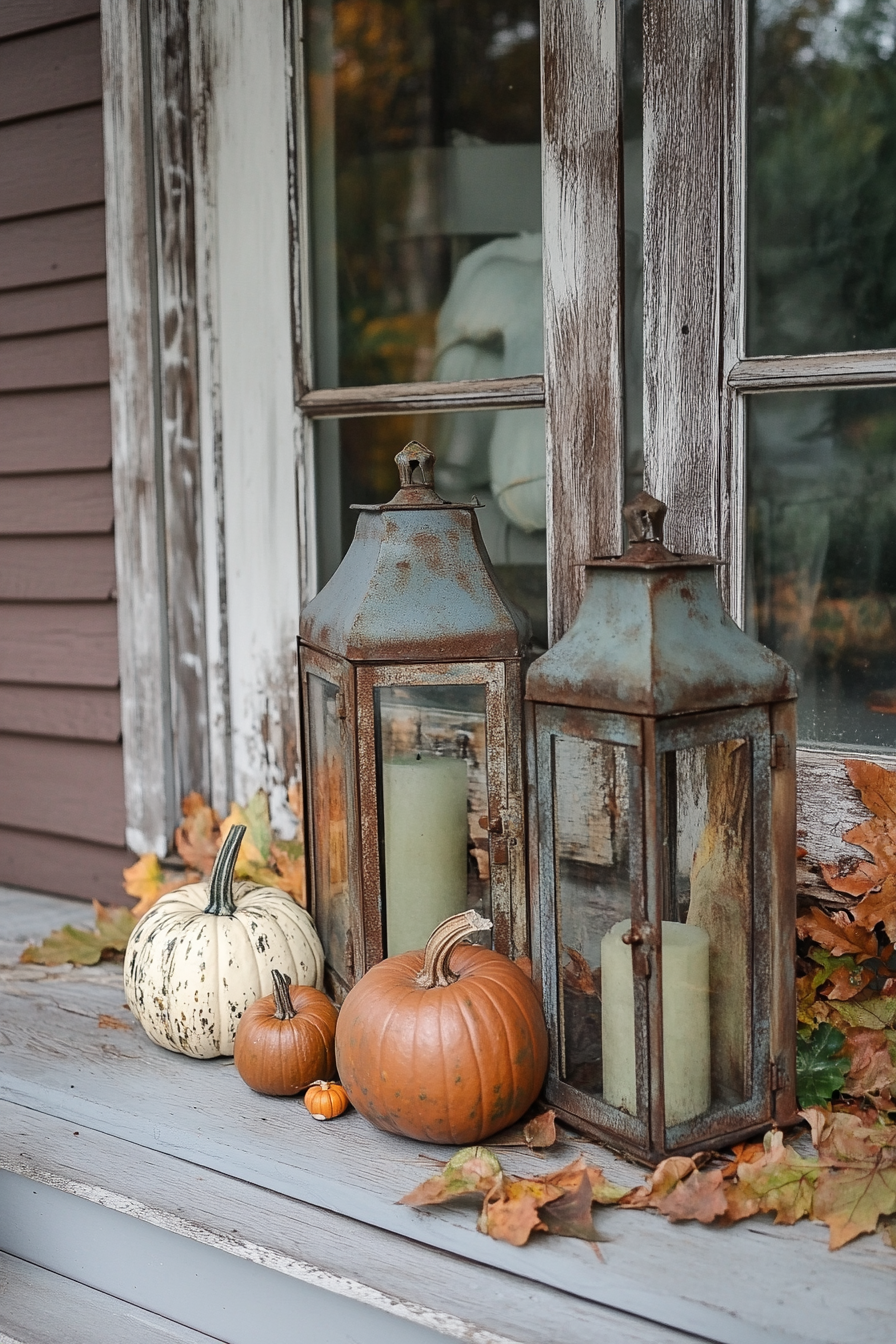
(282,1002)
(442,942)
(220,884)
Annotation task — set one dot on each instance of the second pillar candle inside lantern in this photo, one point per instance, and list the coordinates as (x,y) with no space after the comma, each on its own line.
(686,1062)
(425,836)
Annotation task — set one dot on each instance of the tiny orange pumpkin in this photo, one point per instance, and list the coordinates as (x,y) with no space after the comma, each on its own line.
(326,1100)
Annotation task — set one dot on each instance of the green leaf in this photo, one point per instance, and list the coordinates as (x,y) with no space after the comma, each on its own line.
(258,819)
(876,1013)
(819,1071)
(828,963)
(85,947)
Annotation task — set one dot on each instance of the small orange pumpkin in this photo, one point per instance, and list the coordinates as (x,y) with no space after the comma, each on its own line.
(326,1100)
(447,1045)
(285,1040)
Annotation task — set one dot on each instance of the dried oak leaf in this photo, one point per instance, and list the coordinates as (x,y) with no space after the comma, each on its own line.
(570,1215)
(85,947)
(539,1132)
(871,1067)
(838,934)
(289,856)
(469,1170)
(578,975)
(780,1182)
(852,876)
(198,840)
(148,880)
(659,1184)
(879,907)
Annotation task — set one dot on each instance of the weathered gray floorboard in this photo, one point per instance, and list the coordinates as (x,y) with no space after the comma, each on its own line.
(748,1283)
(39,1307)
(352,1260)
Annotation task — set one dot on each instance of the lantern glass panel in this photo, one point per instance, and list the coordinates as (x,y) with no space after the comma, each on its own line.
(329,796)
(593,893)
(707,938)
(433,785)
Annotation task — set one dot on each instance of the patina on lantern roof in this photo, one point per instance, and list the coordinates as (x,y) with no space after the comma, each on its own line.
(652,637)
(416,585)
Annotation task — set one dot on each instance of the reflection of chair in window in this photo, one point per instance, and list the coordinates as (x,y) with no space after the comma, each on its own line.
(490,326)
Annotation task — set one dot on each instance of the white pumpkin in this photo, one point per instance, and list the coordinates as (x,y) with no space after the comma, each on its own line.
(202,954)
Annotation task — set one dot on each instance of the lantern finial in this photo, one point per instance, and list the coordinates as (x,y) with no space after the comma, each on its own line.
(644,517)
(413,455)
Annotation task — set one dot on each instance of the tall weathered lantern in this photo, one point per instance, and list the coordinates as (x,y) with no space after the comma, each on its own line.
(411,682)
(663,841)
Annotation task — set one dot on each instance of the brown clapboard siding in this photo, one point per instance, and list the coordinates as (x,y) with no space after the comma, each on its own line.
(26,16)
(59,644)
(41,72)
(61,711)
(68,788)
(59,359)
(57,569)
(51,162)
(44,308)
(53,863)
(52,431)
(50,505)
(62,814)
(46,248)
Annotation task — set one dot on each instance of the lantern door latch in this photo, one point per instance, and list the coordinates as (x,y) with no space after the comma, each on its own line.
(780,751)
(495,828)
(777,1075)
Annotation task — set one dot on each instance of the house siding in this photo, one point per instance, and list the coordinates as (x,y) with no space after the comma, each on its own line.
(62,811)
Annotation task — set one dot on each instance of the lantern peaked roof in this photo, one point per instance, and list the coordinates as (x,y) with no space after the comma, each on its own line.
(652,637)
(416,584)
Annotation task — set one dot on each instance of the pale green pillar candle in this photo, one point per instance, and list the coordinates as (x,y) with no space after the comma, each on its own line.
(425,835)
(685,1020)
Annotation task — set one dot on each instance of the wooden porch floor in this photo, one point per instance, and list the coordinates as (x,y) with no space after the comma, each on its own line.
(166,1184)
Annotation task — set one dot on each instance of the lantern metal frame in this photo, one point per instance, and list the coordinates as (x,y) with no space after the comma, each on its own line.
(593,710)
(397,614)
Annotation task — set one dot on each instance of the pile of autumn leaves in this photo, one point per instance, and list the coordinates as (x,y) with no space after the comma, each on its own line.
(848,1183)
(262,858)
(846,973)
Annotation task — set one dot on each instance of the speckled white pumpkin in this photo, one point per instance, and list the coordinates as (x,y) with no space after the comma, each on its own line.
(202,954)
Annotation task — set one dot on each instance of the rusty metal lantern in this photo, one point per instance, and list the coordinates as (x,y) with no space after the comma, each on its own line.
(662,857)
(411,681)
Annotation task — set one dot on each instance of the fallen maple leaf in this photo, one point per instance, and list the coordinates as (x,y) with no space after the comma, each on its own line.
(148,880)
(539,1132)
(852,1199)
(879,1013)
(839,935)
(470,1170)
(700,1196)
(511,1210)
(198,839)
(570,1215)
(879,907)
(871,1067)
(85,947)
(289,856)
(780,1182)
(846,982)
(662,1182)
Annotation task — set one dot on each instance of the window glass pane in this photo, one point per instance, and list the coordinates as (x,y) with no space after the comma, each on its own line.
(329,814)
(707,927)
(822,176)
(821,581)
(593,893)
(497,455)
(434,783)
(425,166)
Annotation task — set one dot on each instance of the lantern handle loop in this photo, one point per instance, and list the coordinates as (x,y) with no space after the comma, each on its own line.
(413,455)
(644,517)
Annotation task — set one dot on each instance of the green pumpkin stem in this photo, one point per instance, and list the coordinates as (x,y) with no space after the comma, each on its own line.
(442,942)
(220,884)
(283,1009)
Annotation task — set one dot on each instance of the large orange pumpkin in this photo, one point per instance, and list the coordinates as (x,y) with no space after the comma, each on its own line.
(448,1045)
